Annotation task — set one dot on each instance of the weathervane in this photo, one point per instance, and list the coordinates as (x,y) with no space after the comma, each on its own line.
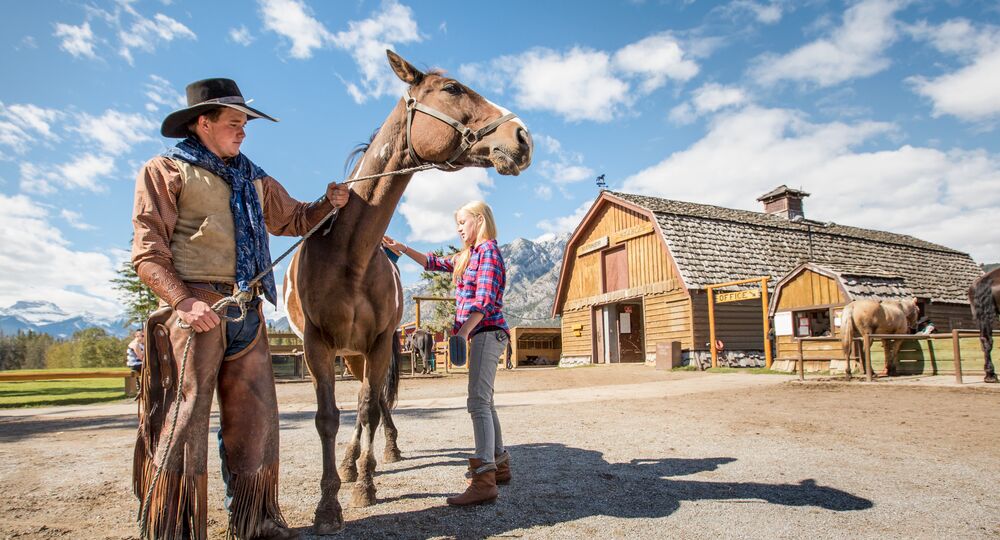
(601,183)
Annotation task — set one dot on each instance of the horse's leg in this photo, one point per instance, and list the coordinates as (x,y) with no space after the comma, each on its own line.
(376,365)
(348,469)
(986,340)
(892,352)
(392,453)
(329,517)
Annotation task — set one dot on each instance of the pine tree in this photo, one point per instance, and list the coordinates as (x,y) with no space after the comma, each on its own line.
(138,298)
(442,317)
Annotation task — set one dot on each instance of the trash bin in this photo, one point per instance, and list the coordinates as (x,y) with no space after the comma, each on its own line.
(668,355)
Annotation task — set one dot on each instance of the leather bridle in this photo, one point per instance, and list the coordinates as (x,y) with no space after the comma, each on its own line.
(469,137)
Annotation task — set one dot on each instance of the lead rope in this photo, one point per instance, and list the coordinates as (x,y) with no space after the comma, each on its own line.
(239,298)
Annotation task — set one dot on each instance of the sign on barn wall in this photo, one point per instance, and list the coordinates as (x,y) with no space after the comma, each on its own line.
(748,294)
(590,247)
(631,232)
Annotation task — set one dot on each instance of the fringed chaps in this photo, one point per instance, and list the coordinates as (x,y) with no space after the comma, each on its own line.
(177,506)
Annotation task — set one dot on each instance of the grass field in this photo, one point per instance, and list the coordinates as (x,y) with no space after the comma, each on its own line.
(16,394)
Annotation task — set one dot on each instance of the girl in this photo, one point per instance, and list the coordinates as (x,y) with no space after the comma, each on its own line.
(480,277)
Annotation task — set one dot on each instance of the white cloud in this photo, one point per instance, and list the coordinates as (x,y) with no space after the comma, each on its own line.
(75,220)
(293,20)
(145,34)
(764,13)
(76,40)
(366,40)
(565,167)
(38,263)
(115,132)
(971,92)
(163,94)
(939,196)
(556,226)
(83,172)
(708,98)
(18,123)
(543,192)
(433,196)
(657,58)
(583,83)
(854,49)
(241,35)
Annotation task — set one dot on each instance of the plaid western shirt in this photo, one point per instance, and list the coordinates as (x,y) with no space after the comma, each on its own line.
(481,287)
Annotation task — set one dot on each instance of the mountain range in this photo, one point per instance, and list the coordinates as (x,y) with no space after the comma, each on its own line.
(48,318)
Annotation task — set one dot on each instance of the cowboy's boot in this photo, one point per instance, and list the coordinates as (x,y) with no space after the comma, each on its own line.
(483,487)
(503,468)
(271,530)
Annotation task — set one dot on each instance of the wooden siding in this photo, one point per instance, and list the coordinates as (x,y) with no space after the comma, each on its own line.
(648,261)
(948,317)
(573,345)
(740,325)
(810,289)
(667,319)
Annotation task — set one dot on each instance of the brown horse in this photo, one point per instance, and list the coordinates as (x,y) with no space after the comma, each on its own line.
(346,296)
(877,317)
(984,296)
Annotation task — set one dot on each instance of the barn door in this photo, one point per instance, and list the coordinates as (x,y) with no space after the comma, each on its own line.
(630,337)
(599,335)
(615,269)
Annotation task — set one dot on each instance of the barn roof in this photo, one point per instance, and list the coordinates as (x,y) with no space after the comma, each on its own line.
(711,244)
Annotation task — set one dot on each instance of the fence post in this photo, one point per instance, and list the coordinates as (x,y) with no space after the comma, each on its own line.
(867,360)
(802,363)
(957,346)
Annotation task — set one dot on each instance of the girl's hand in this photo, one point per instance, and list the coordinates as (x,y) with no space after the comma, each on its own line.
(393,245)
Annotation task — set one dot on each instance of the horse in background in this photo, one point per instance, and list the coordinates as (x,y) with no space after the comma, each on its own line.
(984,297)
(866,317)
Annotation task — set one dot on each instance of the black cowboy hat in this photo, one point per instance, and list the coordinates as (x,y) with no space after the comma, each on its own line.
(203,96)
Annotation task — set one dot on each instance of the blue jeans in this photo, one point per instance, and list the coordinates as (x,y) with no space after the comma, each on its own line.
(483,359)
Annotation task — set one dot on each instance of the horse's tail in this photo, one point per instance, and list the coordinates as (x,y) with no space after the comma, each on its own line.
(984,306)
(391,390)
(847,330)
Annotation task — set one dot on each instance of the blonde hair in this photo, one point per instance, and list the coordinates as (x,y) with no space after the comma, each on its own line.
(487,231)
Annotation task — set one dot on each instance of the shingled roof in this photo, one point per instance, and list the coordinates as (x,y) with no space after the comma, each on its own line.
(711,244)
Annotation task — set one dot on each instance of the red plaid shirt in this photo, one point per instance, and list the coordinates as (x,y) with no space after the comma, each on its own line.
(481,287)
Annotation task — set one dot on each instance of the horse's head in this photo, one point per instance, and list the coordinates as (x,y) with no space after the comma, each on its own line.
(451,123)
(912,309)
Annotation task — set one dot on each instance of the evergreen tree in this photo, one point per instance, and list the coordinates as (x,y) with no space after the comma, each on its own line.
(138,298)
(442,316)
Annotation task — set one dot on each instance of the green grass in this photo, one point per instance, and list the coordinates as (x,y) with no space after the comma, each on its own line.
(754,371)
(17,394)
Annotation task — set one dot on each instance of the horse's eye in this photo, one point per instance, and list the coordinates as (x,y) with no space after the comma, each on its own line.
(453,89)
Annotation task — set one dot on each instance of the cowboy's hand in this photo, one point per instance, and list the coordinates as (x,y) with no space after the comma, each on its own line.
(337,194)
(393,245)
(197,314)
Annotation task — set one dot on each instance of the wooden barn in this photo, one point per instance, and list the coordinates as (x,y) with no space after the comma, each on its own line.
(641,272)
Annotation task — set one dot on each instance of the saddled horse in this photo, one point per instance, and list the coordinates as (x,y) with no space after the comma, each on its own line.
(345,293)
(867,316)
(984,296)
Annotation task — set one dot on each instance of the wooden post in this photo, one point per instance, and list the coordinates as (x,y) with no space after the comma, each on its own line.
(711,327)
(802,363)
(867,360)
(768,355)
(417,322)
(957,346)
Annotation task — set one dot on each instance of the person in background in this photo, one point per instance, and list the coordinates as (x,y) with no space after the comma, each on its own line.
(480,277)
(135,353)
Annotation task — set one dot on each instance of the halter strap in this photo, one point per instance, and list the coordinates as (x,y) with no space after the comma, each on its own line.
(469,137)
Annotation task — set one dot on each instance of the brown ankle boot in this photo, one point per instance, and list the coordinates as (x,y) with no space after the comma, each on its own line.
(483,487)
(503,468)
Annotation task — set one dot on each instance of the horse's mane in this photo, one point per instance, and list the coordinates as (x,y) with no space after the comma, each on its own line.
(358,151)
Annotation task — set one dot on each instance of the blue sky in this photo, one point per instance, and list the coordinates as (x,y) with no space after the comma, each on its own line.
(885,111)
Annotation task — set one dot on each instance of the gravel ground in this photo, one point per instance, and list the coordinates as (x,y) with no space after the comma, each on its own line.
(601,452)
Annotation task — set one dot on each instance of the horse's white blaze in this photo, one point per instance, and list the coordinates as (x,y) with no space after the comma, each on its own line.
(357,173)
(503,111)
(289,285)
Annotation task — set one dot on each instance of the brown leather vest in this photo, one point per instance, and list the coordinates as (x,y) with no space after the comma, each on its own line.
(204,239)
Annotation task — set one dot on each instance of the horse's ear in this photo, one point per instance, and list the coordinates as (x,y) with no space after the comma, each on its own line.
(403,69)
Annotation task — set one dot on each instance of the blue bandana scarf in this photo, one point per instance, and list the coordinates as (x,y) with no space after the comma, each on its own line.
(252,252)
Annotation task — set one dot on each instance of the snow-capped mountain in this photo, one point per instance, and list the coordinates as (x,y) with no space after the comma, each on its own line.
(48,318)
(532,276)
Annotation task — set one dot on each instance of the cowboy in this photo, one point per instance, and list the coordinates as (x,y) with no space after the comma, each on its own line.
(201,217)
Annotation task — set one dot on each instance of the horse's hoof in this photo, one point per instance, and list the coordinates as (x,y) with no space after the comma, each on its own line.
(348,476)
(990,378)
(361,497)
(328,522)
(394,455)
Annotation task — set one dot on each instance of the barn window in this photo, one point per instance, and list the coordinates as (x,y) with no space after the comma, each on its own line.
(812,323)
